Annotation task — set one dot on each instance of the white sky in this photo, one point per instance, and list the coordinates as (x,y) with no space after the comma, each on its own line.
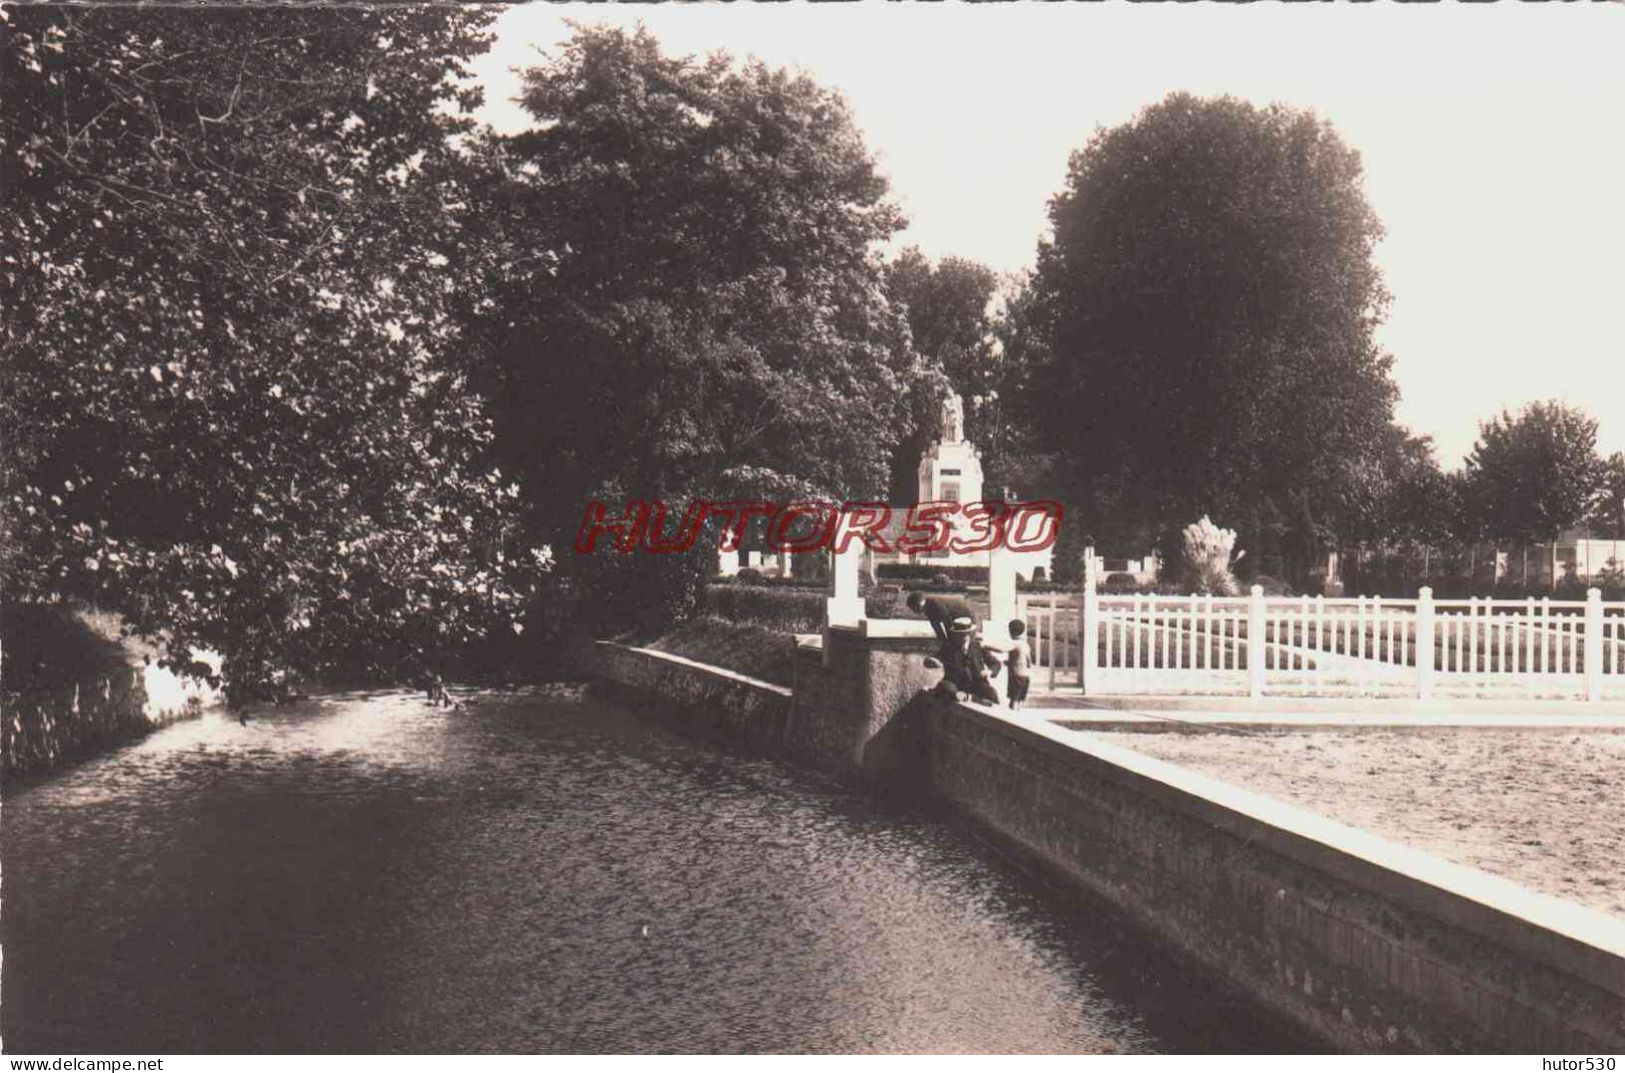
(1493,138)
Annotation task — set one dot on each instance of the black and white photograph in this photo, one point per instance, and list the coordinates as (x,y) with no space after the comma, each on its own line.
(849,528)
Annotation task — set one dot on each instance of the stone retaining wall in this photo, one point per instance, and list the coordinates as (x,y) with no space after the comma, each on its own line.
(859,713)
(1371,945)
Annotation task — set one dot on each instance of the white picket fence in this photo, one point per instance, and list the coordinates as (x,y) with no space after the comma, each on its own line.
(1313,646)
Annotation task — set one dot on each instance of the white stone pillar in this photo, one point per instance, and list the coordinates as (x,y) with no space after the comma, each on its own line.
(1001,596)
(1089,624)
(844,607)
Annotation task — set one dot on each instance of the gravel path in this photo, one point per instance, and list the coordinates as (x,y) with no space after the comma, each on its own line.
(1545,808)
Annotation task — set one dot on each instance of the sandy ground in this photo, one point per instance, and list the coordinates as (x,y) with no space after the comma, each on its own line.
(1545,808)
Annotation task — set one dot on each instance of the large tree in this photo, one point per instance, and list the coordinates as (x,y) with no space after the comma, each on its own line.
(1532,474)
(1607,515)
(950,320)
(683,288)
(1209,300)
(226,404)
(1399,495)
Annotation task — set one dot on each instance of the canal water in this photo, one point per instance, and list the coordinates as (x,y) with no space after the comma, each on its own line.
(539,871)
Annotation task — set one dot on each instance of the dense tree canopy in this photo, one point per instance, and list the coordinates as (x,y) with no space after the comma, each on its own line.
(950,318)
(302,367)
(1397,493)
(1208,298)
(227,409)
(1607,516)
(1532,474)
(682,288)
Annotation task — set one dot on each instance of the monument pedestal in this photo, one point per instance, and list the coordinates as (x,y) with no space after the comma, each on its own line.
(950,470)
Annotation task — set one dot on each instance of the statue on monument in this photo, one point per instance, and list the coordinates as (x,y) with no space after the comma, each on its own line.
(953,419)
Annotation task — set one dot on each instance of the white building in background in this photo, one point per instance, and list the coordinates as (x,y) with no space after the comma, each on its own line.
(1585,556)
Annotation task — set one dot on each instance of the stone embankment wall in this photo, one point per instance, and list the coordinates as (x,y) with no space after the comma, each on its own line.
(1374,946)
(1371,945)
(702,698)
(42,728)
(855,711)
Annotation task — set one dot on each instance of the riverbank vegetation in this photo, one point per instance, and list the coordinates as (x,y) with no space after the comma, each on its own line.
(746,647)
(343,368)
(229,413)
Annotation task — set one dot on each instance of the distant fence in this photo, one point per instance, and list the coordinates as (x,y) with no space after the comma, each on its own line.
(1479,568)
(1317,646)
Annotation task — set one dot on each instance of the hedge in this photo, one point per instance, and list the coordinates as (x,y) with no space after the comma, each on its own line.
(965,575)
(748,648)
(788,610)
(764,581)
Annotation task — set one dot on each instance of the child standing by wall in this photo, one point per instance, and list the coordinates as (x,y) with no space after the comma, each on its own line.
(1019,663)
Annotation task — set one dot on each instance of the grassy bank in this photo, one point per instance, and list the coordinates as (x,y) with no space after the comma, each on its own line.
(746,647)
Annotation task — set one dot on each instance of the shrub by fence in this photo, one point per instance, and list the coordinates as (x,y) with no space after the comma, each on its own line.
(787,609)
(755,578)
(963,575)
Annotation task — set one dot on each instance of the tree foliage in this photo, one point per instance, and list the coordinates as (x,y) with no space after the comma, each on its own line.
(1397,493)
(1532,474)
(1207,298)
(950,315)
(682,295)
(1607,515)
(227,407)
(949,310)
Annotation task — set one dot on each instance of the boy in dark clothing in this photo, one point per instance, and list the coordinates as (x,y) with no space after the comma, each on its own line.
(940,610)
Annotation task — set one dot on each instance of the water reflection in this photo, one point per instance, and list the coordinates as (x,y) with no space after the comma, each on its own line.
(538,872)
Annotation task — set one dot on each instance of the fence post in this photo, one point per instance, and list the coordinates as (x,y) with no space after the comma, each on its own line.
(1424,642)
(1592,653)
(1001,595)
(1089,627)
(1255,640)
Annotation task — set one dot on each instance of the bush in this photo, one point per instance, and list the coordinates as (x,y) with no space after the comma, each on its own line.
(1207,549)
(748,648)
(783,609)
(967,575)
(1120,583)
(790,610)
(609,594)
(49,645)
(886,602)
(932,586)
(768,582)
(749,576)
